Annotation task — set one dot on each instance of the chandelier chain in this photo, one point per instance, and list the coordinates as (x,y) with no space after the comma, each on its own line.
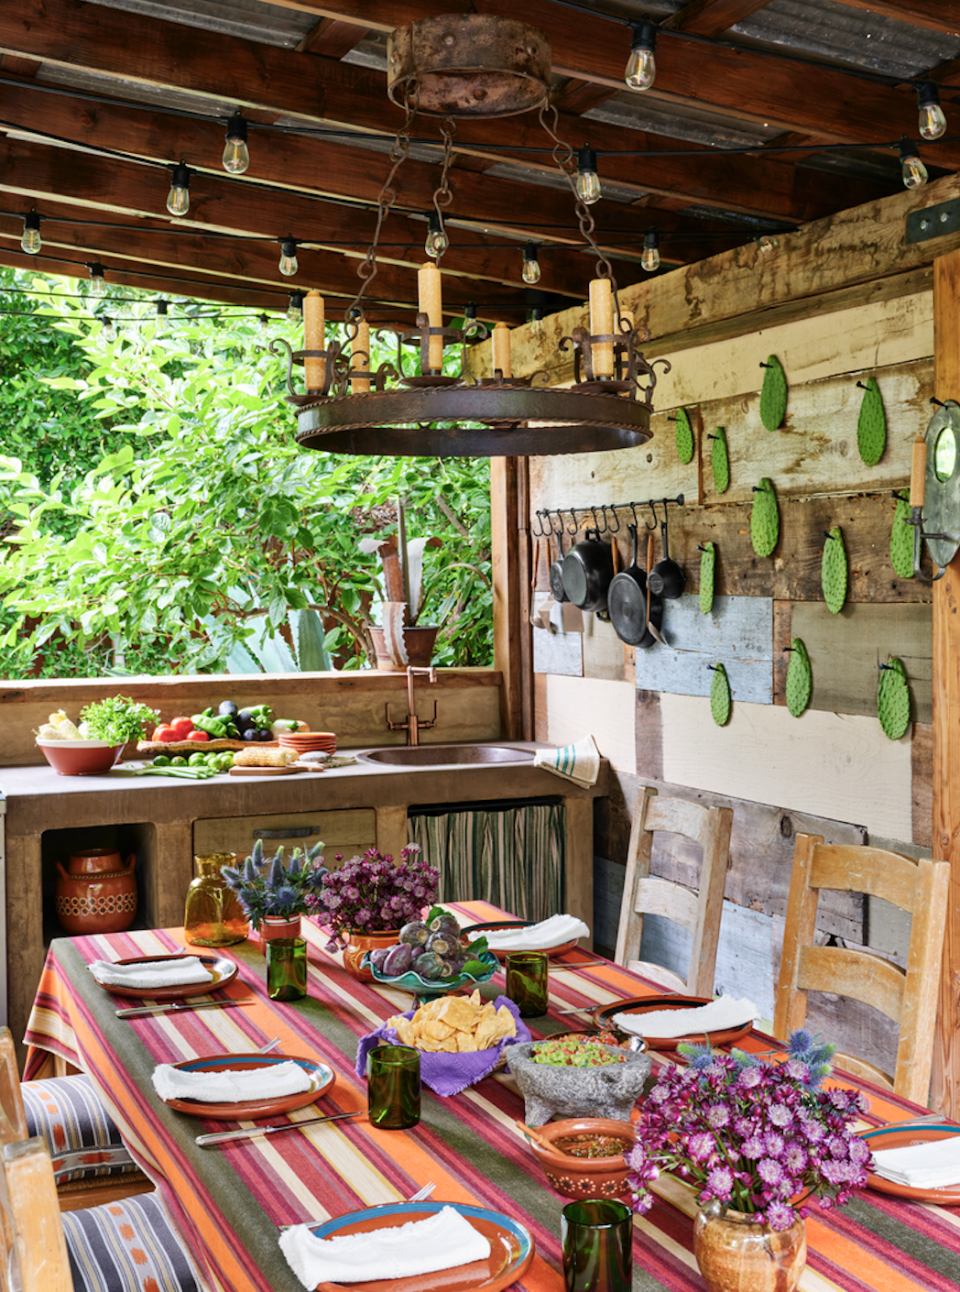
(442,194)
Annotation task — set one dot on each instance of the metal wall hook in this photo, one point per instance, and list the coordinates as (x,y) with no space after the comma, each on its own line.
(573,517)
(610,528)
(701,548)
(826,533)
(596,523)
(539,532)
(766,365)
(786,648)
(633,508)
(862,386)
(939,402)
(883,666)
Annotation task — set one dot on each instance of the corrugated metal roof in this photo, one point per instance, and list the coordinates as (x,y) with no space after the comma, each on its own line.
(679,120)
(249,19)
(552,179)
(135,91)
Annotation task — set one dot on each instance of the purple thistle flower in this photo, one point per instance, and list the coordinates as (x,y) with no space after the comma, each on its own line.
(720,1183)
(770,1171)
(779,1215)
(718,1116)
(701,1145)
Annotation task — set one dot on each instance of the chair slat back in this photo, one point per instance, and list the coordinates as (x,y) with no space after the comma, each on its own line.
(699,912)
(11,1098)
(910,997)
(39,1246)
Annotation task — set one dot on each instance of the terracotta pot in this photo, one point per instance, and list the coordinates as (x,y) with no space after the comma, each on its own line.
(580,1177)
(735,1254)
(419,643)
(273,926)
(97,893)
(360,944)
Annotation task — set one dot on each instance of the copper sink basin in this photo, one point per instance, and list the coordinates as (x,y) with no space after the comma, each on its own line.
(446,755)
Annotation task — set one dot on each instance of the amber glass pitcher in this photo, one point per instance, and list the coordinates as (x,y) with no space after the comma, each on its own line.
(214,916)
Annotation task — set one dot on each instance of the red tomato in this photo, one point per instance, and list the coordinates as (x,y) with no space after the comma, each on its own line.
(182,726)
(198,735)
(164,732)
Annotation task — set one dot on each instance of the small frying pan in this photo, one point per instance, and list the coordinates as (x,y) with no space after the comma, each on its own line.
(627,602)
(556,569)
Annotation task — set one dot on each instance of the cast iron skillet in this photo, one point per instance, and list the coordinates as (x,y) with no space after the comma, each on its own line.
(627,602)
(587,571)
(556,569)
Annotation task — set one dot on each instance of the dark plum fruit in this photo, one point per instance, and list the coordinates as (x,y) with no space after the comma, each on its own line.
(429,967)
(416,952)
(449,968)
(441,944)
(397,961)
(377,958)
(415,933)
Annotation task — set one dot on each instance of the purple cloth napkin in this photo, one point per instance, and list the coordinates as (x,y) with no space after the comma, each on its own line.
(447,1074)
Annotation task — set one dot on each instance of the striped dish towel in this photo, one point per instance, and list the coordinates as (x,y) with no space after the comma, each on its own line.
(579,763)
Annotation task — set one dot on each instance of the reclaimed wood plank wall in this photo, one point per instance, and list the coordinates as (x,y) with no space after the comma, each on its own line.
(832,771)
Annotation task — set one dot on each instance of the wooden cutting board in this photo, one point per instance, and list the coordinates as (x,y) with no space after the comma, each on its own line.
(148,748)
(270,771)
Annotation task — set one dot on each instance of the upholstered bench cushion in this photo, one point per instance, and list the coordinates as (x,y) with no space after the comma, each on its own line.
(82,1138)
(128,1246)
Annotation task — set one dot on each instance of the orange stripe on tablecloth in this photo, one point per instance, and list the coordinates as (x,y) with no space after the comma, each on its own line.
(866,1265)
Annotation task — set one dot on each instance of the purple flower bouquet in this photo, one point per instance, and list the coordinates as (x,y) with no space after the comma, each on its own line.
(370,894)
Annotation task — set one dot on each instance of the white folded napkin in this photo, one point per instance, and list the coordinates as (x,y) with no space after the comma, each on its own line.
(723,1013)
(231,1085)
(579,763)
(921,1166)
(440,1242)
(151,973)
(536,937)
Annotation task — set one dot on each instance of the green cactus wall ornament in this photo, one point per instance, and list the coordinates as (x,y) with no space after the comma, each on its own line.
(720,701)
(833,570)
(684,436)
(773,395)
(901,539)
(720,460)
(799,678)
(764,518)
(708,569)
(893,699)
(872,424)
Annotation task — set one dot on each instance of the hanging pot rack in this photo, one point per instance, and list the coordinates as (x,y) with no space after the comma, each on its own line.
(602,523)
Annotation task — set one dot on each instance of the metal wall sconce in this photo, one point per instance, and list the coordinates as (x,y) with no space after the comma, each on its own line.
(935,489)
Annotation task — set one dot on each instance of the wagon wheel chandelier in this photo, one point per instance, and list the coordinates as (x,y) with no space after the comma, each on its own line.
(470,66)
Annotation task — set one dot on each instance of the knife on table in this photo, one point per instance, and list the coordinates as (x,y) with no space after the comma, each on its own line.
(223,1137)
(171,1009)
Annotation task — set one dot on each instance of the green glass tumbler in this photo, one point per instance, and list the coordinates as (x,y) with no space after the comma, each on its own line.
(597,1240)
(528,982)
(393,1086)
(286,968)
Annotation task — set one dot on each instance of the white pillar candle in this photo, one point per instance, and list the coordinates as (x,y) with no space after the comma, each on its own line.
(601,324)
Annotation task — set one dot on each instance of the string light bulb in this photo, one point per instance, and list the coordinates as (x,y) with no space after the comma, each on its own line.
(932,121)
(767,243)
(289,265)
(531,264)
(295,308)
(437,240)
(650,260)
(642,65)
(912,169)
(31,241)
(536,322)
(161,320)
(109,331)
(588,180)
(264,322)
(178,199)
(236,154)
(98,283)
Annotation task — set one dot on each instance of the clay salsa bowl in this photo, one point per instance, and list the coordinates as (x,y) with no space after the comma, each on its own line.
(80,757)
(583,1177)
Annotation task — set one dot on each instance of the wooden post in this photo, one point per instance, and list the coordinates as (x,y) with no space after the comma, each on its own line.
(945,1085)
(507,593)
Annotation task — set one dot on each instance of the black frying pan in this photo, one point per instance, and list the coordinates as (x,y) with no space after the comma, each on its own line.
(556,569)
(627,602)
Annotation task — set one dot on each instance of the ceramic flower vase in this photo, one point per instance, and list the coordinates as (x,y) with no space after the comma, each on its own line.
(360,943)
(735,1254)
(274,926)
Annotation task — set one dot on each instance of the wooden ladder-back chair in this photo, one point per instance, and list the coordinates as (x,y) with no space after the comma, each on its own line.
(908,998)
(645,894)
(91,1163)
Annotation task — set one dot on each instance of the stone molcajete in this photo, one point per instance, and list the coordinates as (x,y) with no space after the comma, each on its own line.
(607,1091)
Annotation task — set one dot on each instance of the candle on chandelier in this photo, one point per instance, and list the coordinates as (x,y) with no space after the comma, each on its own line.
(918,473)
(314,370)
(502,358)
(601,324)
(360,358)
(431,304)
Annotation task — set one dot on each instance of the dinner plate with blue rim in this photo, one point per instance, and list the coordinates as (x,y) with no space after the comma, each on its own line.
(321,1077)
(511,1248)
(948,1195)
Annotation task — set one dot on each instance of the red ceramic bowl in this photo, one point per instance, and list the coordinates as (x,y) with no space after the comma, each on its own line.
(582,1177)
(80,757)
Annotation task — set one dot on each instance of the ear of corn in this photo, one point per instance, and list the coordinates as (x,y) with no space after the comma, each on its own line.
(260,757)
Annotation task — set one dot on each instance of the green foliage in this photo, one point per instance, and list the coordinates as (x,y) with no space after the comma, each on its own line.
(773,395)
(799,678)
(871,424)
(833,570)
(893,699)
(764,518)
(720,460)
(198,524)
(901,539)
(684,436)
(721,704)
(708,565)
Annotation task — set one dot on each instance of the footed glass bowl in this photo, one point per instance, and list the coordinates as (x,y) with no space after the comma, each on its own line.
(428,988)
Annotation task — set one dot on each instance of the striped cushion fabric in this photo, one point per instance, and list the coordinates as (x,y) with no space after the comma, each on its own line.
(82,1138)
(128,1246)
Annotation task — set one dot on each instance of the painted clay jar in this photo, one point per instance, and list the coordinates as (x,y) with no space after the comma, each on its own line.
(735,1254)
(360,944)
(96,893)
(275,926)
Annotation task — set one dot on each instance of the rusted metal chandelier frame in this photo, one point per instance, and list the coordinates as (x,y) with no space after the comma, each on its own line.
(473,65)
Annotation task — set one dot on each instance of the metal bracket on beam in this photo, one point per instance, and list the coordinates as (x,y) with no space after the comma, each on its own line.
(934,221)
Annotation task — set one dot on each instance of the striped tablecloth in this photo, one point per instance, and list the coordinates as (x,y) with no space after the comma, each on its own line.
(230,1201)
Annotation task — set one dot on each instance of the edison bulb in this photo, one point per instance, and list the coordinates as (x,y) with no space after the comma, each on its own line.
(766,243)
(236,155)
(650,259)
(588,186)
(98,284)
(436,241)
(109,331)
(913,171)
(178,199)
(932,123)
(531,265)
(641,69)
(31,241)
(289,265)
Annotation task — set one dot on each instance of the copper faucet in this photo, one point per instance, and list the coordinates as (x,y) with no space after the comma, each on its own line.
(414,725)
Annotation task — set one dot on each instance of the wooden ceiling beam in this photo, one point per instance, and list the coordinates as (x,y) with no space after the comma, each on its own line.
(711,17)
